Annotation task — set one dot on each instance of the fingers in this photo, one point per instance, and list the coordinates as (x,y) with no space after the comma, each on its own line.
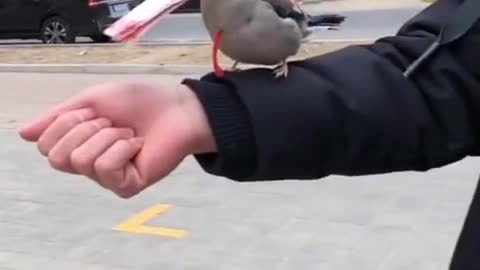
(84,157)
(60,153)
(133,183)
(60,127)
(78,142)
(115,171)
(33,130)
(102,153)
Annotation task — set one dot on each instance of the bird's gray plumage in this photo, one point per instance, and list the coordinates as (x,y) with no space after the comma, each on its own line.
(254,31)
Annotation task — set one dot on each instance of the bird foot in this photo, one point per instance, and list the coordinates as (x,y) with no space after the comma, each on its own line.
(233,68)
(281,70)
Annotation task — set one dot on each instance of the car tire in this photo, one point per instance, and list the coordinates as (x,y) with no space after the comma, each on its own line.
(56,30)
(101,38)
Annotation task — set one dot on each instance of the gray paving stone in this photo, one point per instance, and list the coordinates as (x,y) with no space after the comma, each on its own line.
(4,257)
(55,221)
(18,261)
(61,264)
(304,264)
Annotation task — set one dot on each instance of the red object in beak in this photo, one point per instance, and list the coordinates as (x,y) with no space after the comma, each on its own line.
(92,3)
(216,47)
(142,18)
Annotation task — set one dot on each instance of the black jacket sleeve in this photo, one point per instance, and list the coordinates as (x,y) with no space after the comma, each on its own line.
(350,112)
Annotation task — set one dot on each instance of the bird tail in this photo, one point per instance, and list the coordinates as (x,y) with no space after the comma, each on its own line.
(216,46)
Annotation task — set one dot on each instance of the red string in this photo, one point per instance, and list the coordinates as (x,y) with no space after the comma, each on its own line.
(216,45)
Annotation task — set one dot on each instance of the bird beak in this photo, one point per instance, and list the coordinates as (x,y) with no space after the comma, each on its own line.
(142,18)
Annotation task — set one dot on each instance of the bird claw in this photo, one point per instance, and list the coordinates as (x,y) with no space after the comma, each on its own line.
(281,70)
(234,67)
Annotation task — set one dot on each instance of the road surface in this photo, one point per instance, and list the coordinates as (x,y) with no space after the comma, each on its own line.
(359,25)
(56,221)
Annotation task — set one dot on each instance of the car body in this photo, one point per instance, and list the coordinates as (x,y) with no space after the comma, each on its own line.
(60,21)
(191,6)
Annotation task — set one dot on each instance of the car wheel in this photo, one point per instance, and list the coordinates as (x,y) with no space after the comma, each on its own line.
(101,38)
(57,31)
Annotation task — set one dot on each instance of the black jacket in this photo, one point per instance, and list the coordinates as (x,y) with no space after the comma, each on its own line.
(350,112)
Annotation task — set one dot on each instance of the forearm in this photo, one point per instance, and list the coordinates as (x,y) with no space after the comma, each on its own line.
(350,112)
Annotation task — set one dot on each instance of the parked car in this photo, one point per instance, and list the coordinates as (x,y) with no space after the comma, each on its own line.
(191,6)
(60,21)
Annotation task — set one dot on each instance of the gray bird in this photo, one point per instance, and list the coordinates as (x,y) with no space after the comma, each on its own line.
(263,32)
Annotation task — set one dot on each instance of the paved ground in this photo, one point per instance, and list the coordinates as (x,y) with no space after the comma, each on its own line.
(55,221)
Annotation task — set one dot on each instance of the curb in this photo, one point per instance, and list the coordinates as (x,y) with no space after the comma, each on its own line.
(167,69)
(144,44)
(162,43)
(105,69)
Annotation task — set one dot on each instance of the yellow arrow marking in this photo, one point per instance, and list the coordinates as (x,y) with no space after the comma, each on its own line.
(136,223)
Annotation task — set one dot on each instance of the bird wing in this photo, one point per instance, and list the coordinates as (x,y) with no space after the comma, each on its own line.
(266,39)
(281,7)
(286,9)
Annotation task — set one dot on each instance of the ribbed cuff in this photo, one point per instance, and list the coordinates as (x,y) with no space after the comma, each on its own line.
(230,123)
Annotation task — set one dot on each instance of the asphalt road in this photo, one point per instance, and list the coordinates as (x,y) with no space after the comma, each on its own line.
(359,25)
(57,221)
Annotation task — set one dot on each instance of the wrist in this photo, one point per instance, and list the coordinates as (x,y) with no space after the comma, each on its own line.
(232,130)
(201,139)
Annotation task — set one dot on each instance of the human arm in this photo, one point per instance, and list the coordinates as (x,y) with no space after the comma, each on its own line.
(350,112)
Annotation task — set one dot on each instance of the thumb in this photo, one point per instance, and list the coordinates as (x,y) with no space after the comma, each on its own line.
(34,129)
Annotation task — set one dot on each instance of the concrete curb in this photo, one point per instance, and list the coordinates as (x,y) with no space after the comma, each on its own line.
(144,44)
(105,69)
(163,43)
(167,69)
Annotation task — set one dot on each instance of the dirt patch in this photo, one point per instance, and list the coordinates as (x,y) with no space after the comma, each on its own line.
(128,54)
